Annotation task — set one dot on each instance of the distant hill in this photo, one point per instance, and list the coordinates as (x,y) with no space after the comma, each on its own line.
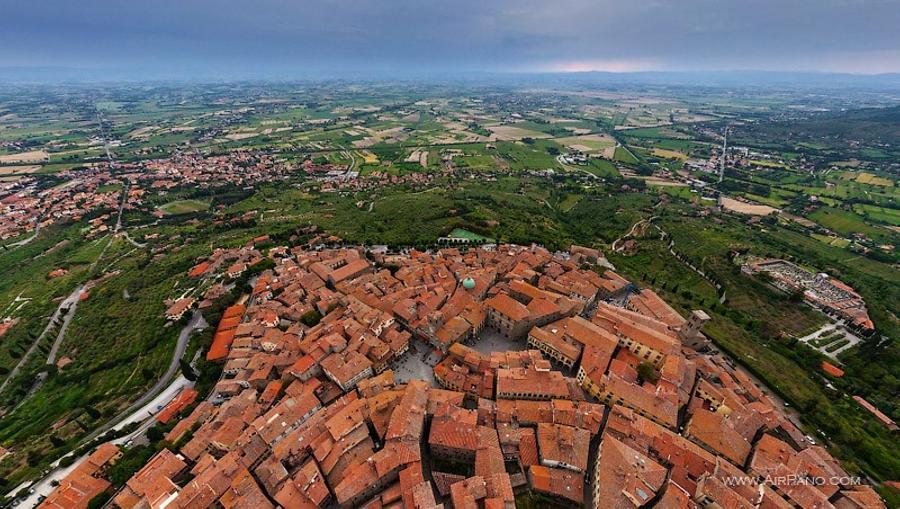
(874,125)
(202,72)
(852,131)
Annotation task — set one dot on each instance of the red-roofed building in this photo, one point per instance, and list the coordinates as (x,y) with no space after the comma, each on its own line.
(832,370)
(199,269)
(178,403)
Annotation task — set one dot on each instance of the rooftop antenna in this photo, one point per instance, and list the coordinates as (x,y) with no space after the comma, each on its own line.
(722,162)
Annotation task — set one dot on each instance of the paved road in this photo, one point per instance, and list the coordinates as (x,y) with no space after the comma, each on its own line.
(37,230)
(141,410)
(66,303)
(559,159)
(41,377)
(67,319)
(54,350)
(150,408)
(196,322)
(144,415)
(349,174)
(133,242)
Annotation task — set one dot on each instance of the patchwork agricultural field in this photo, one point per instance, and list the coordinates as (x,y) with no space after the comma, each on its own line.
(193,168)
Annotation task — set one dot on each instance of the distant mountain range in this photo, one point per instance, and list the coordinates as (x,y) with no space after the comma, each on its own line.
(59,75)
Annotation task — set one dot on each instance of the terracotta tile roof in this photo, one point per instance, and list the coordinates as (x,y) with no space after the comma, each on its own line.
(199,269)
(488,457)
(153,482)
(660,406)
(415,491)
(75,491)
(540,384)
(832,370)
(712,429)
(860,497)
(711,490)
(244,493)
(350,270)
(180,307)
(306,489)
(675,497)
(649,303)
(443,481)
(624,476)
(466,494)
(559,482)
(184,399)
(563,446)
(882,418)
(408,418)
(528,452)
(449,433)
(508,307)
(343,367)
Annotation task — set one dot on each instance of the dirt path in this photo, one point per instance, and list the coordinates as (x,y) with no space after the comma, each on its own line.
(631,232)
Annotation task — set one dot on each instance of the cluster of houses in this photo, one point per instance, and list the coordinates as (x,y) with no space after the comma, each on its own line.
(194,170)
(25,205)
(608,397)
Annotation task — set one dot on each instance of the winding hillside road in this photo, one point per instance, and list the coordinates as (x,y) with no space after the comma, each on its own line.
(68,305)
(196,323)
(141,411)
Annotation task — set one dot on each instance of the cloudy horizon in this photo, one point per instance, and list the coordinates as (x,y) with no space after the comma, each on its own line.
(524,36)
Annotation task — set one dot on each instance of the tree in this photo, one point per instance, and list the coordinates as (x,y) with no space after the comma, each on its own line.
(100,500)
(187,370)
(34,458)
(647,372)
(311,318)
(155,434)
(93,412)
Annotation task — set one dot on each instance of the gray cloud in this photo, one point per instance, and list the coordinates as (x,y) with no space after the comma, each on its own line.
(519,35)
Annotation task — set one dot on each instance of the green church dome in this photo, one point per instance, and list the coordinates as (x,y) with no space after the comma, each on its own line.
(468,283)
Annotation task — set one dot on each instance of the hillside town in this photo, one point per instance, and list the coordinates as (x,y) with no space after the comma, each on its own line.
(88,192)
(477,378)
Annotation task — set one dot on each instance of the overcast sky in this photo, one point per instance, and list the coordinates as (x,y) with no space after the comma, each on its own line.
(859,36)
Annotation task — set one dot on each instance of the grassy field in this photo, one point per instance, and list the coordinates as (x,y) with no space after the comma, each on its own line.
(623,155)
(847,223)
(534,156)
(460,233)
(888,216)
(184,206)
(118,345)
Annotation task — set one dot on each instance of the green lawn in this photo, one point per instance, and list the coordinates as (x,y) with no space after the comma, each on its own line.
(184,206)
(460,233)
(847,223)
(624,156)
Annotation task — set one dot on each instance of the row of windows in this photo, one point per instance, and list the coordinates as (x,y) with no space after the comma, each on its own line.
(522,395)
